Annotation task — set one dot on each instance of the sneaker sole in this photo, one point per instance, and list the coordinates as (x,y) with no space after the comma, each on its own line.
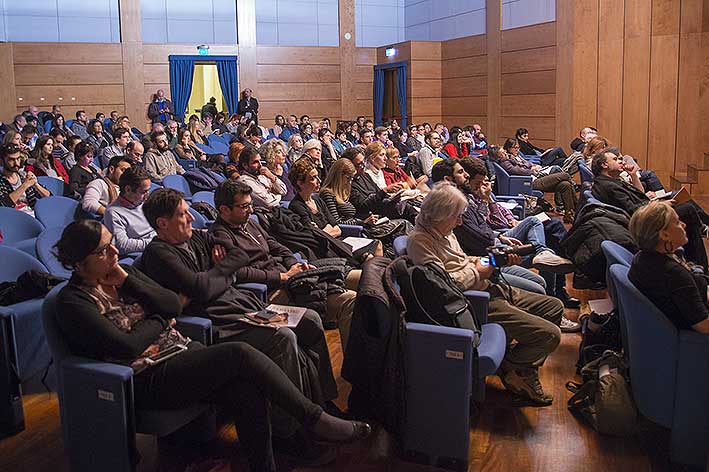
(555,268)
(523,394)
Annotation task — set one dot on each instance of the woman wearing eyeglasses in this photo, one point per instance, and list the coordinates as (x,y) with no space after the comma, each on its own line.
(113,313)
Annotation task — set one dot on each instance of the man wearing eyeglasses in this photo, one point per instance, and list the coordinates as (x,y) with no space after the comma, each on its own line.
(17,191)
(121,136)
(124,217)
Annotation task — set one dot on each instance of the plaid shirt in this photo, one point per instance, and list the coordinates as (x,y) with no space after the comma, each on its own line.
(6,189)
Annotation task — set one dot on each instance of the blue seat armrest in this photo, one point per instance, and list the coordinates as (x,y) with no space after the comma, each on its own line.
(479,300)
(260,290)
(101,371)
(351,230)
(196,328)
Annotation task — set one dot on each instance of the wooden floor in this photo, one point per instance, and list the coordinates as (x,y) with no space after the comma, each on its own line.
(504,437)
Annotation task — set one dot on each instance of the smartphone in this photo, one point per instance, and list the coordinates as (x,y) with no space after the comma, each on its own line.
(166,354)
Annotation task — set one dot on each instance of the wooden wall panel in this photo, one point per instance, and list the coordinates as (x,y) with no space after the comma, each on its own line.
(636,79)
(464,87)
(468,46)
(270,73)
(524,83)
(529,37)
(539,128)
(66,53)
(316,109)
(89,94)
(279,92)
(8,94)
(52,74)
(529,60)
(281,55)
(159,53)
(529,105)
(463,67)
(610,68)
(464,106)
(664,67)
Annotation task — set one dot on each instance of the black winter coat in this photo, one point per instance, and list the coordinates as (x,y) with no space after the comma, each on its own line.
(594,224)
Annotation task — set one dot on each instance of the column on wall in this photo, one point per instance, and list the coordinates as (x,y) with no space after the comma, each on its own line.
(132,55)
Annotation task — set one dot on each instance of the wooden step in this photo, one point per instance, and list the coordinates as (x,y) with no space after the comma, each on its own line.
(679,181)
(700,173)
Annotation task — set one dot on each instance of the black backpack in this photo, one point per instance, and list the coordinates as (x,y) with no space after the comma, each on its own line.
(432,297)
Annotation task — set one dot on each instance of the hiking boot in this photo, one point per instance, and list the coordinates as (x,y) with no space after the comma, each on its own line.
(547,261)
(568,326)
(525,383)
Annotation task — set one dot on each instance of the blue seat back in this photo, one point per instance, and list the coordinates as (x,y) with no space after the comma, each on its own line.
(68,123)
(653,349)
(585,172)
(47,126)
(187,164)
(512,185)
(108,125)
(400,245)
(57,345)
(616,254)
(154,186)
(203,196)
(45,251)
(15,263)
(16,225)
(200,222)
(56,186)
(179,183)
(55,211)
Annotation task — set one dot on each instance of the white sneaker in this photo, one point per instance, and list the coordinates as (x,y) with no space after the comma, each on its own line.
(549,262)
(568,326)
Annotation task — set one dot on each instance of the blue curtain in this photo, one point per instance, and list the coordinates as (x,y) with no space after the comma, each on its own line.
(229,81)
(401,93)
(378,96)
(181,72)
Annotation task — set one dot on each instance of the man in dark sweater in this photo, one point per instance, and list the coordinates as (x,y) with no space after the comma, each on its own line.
(270,262)
(199,268)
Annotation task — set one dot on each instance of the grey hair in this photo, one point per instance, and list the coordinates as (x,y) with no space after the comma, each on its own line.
(647,222)
(268,150)
(443,202)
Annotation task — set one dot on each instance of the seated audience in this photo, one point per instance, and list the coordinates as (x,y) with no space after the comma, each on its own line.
(549,157)
(59,123)
(544,180)
(663,276)
(422,163)
(18,191)
(159,161)
(340,143)
(269,261)
(219,126)
(312,210)
(442,131)
(14,137)
(103,191)
(78,127)
(413,141)
(171,128)
(29,137)
(479,143)
(585,135)
(273,152)
(203,269)
(268,190)
(124,217)
(381,134)
(60,151)
(109,312)
(279,122)
(121,137)
(367,196)
(290,128)
(197,133)
(399,139)
(312,151)
(393,173)
(124,122)
(328,154)
(532,320)
(135,151)
(253,137)
(83,172)
(459,143)
(97,138)
(590,148)
(306,132)
(609,188)
(366,137)
(185,148)
(42,162)
(70,159)
(18,122)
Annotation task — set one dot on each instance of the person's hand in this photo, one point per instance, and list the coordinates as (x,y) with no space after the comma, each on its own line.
(172,322)
(422,179)
(514,259)
(513,223)
(536,168)
(510,241)
(650,194)
(115,277)
(393,188)
(484,270)
(333,231)
(413,153)
(265,171)
(30,180)
(218,253)
(371,220)
(294,269)
(184,300)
